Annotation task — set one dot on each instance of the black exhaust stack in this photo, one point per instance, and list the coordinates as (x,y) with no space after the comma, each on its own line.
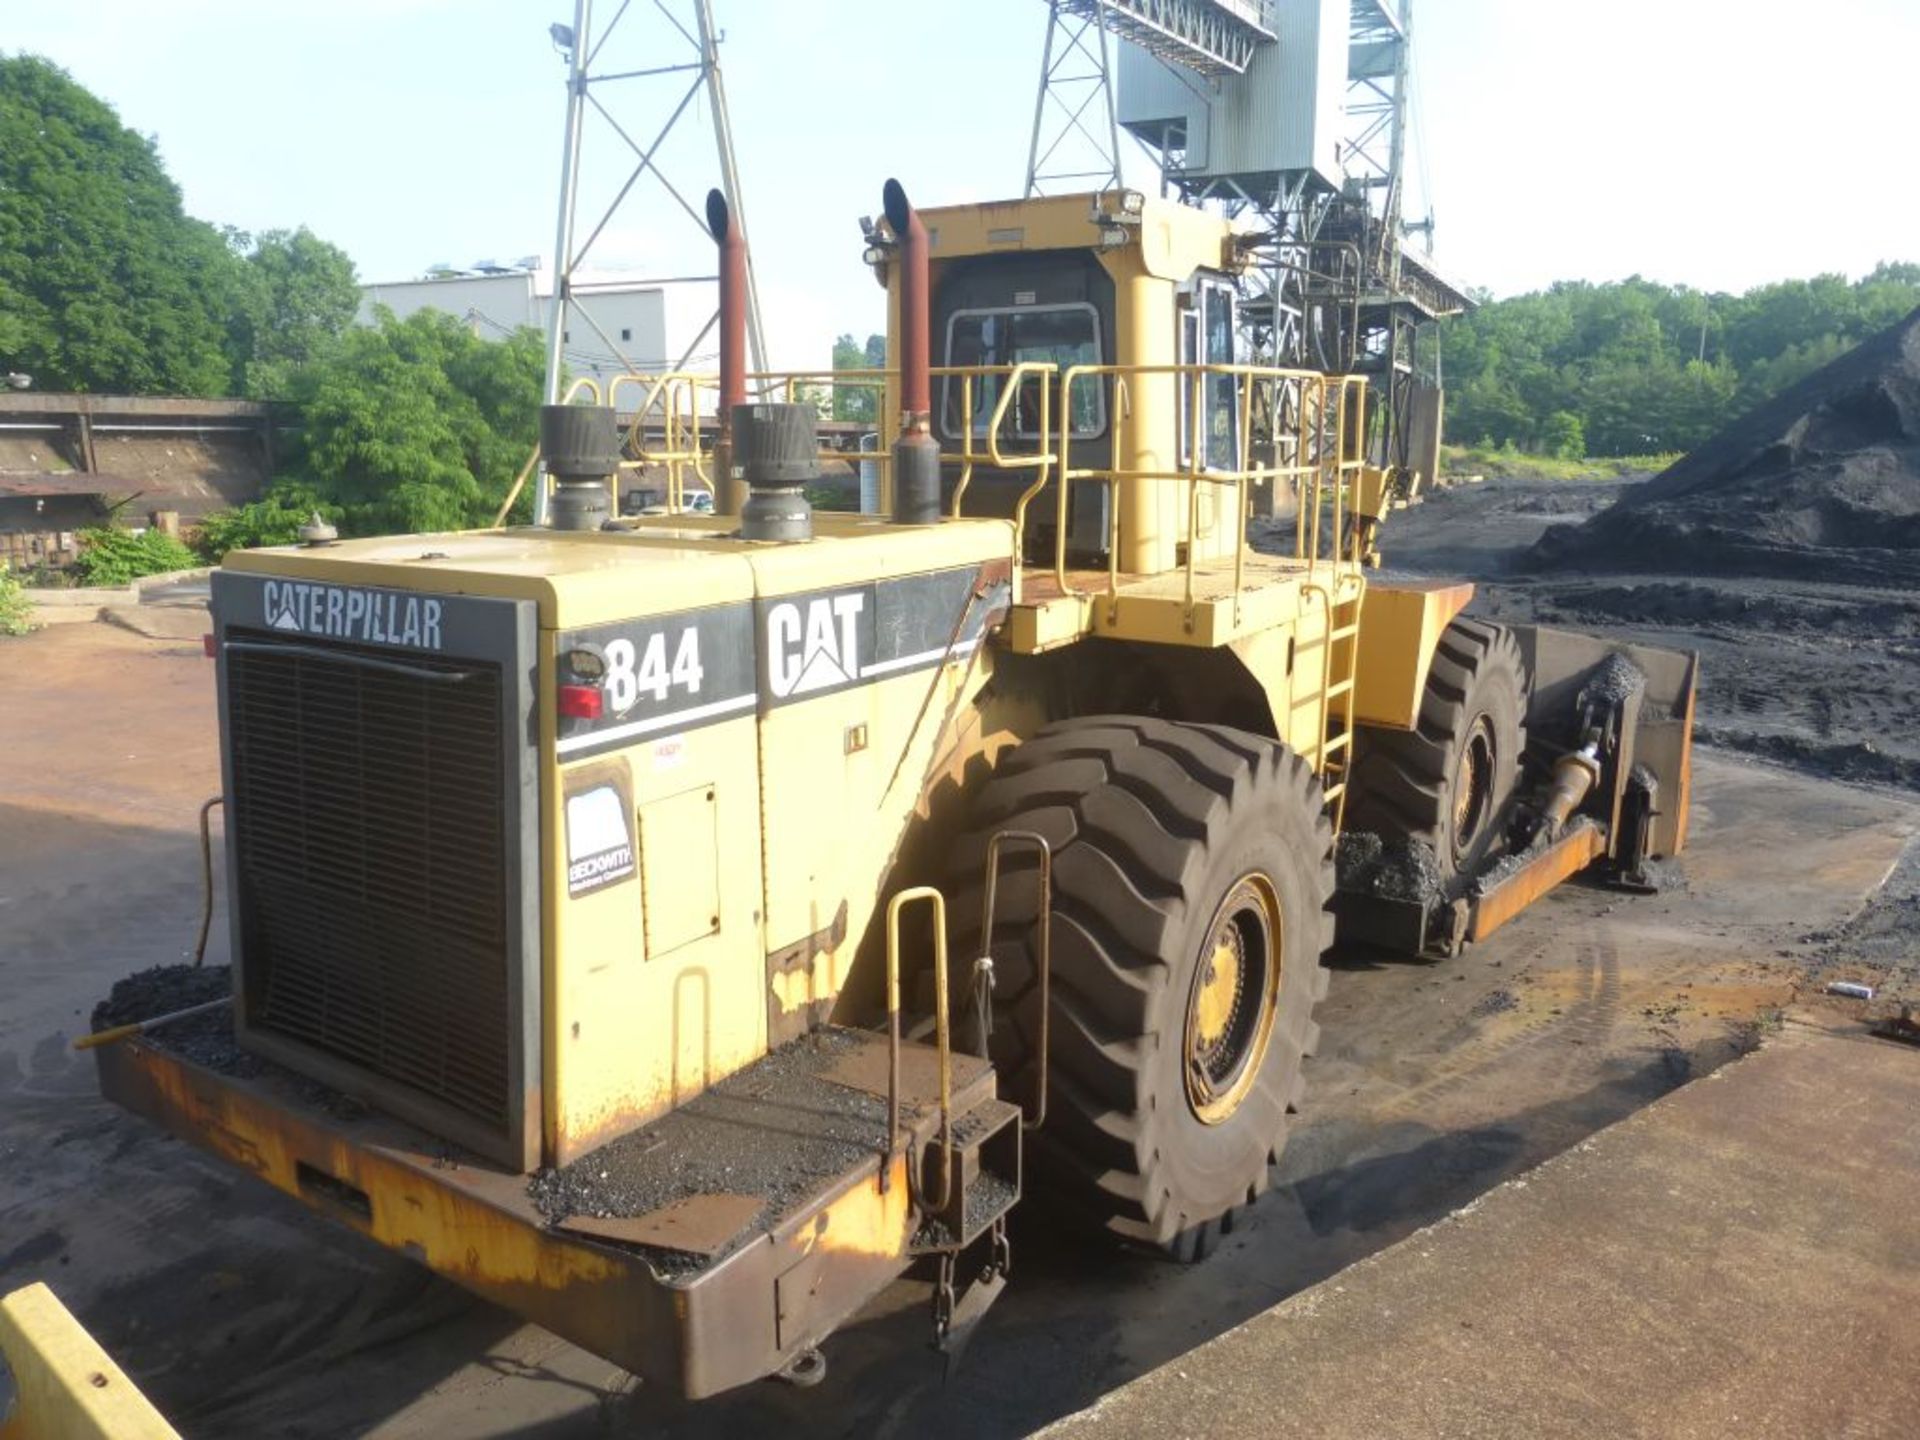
(916,454)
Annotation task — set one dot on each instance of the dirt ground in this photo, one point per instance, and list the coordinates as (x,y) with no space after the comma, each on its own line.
(244,1315)
(1823,675)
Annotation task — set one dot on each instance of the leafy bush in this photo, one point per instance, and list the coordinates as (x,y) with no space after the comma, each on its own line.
(16,611)
(274,519)
(418,425)
(112,556)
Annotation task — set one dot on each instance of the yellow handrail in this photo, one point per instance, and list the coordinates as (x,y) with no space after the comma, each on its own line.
(938,902)
(1309,439)
(1015,376)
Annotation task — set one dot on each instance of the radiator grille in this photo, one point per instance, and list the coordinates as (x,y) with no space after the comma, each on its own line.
(370,821)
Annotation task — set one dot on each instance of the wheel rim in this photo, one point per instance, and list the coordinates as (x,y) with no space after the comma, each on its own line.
(1236,987)
(1473,787)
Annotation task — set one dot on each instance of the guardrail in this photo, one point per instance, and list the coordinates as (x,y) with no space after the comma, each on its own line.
(1322,435)
(1289,427)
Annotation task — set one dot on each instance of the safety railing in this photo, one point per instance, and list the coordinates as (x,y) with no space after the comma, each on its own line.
(672,422)
(669,401)
(937,902)
(1289,428)
(826,388)
(1322,439)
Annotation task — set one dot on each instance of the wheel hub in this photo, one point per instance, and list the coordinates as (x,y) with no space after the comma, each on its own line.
(1473,787)
(1236,987)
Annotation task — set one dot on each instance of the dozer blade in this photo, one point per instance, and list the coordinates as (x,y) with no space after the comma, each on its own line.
(1506,893)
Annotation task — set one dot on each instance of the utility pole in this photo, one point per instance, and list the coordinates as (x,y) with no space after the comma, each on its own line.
(676,78)
(577,55)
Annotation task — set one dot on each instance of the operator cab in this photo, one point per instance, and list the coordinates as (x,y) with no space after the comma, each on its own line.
(1104,280)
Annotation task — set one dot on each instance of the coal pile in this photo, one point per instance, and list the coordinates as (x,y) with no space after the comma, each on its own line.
(1822,482)
(204,1039)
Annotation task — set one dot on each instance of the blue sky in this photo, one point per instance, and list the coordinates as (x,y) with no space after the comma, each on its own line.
(1719,143)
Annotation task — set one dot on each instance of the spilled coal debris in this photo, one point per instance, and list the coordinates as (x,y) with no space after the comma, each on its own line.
(777,1130)
(208,1040)
(165,989)
(1404,870)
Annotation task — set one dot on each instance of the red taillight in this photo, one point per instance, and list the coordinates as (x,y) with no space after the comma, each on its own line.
(582,702)
(207,644)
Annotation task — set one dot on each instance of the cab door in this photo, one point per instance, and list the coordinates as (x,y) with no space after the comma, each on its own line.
(1207,338)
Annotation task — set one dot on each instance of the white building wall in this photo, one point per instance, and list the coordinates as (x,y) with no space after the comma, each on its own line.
(631,320)
(497,305)
(628,329)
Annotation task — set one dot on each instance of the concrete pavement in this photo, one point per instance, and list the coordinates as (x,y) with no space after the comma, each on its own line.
(1739,1258)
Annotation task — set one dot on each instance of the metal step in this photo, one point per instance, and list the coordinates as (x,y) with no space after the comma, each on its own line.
(965,1188)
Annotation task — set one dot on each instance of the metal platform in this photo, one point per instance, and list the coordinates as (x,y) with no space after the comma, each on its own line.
(1224,603)
(1208,37)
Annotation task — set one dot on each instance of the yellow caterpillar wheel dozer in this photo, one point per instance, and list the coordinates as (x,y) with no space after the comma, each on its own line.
(715,916)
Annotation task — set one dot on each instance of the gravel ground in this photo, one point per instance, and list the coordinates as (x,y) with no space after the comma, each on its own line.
(1879,947)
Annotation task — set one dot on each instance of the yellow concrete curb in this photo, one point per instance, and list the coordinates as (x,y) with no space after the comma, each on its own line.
(67,1387)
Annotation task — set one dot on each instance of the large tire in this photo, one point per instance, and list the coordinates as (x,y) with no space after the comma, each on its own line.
(1450,782)
(1192,871)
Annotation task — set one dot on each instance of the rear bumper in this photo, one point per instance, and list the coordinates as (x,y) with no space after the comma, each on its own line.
(743,1318)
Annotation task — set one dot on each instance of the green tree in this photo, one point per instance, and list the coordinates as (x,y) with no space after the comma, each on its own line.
(1564,436)
(296,295)
(1645,367)
(105,284)
(858,402)
(418,424)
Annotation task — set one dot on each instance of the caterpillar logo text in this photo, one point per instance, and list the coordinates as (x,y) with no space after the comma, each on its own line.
(367,616)
(815,645)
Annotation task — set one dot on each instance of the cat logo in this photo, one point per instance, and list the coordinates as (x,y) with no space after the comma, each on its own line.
(814,644)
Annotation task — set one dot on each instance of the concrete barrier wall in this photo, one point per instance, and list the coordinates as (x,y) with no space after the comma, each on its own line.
(63,1384)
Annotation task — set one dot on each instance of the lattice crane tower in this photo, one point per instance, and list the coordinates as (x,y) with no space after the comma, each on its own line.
(1292,114)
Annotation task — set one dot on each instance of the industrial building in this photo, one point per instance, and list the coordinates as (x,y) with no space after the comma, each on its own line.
(612,329)
(68,462)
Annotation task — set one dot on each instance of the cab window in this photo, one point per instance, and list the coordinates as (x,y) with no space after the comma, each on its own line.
(1060,335)
(1206,338)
